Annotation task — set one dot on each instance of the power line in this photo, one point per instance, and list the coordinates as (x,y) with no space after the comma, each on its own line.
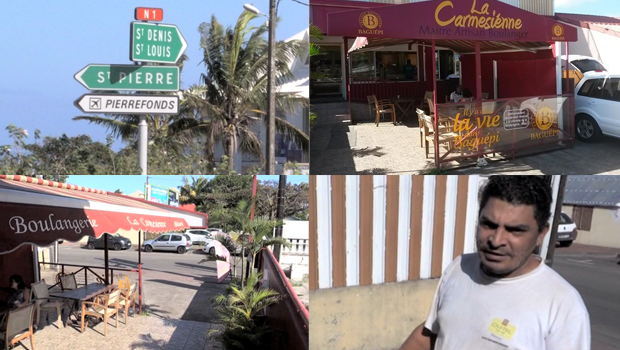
(299,2)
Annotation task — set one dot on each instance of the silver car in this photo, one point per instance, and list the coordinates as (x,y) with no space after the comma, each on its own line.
(171,242)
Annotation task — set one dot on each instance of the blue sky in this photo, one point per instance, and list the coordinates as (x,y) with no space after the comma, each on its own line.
(590,7)
(47,42)
(128,184)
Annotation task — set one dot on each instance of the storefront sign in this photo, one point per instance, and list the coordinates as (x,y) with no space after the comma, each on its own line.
(488,20)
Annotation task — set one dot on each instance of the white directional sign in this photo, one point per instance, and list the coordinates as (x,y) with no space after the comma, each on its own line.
(128,104)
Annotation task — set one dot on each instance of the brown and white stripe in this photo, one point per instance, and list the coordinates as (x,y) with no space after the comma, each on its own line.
(374,229)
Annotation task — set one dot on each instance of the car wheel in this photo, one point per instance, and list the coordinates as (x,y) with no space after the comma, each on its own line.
(117,246)
(587,129)
(566,243)
(212,251)
(148,248)
(90,246)
(181,250)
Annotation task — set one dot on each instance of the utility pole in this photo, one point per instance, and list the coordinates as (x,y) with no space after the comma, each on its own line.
(143,135)
(271,103)
(280,214)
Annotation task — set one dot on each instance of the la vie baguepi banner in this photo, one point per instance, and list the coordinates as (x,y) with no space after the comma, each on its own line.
(452,20)
(42,225)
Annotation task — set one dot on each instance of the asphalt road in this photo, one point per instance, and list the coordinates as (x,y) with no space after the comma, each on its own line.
(597,278)
(174,285)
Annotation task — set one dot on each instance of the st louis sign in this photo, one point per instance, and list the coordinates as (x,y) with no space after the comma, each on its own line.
(128,104)
(153,42)
(129,77)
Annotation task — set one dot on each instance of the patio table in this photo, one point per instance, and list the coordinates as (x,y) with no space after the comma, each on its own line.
(404,104)
(84,293)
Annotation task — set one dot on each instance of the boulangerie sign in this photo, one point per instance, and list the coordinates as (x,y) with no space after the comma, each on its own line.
(42,225)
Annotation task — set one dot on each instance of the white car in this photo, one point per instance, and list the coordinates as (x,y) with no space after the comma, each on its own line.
(199,235)
(178,242)
(567,230)
(597,102)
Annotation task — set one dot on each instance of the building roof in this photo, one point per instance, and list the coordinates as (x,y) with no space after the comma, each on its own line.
(596,191)
(603,24)
(299,66)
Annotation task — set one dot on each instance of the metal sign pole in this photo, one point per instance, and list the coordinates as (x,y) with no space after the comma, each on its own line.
(142,144)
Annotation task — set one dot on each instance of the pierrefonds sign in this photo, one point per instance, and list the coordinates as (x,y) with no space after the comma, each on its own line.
(128,104)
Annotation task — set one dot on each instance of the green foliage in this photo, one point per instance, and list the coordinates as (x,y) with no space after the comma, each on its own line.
(295,201)
(240,311)
(294,167)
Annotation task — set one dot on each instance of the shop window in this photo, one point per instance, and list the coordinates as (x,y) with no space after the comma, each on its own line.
(363,65)
(401,66)
(326,71)
(583,217)
(445,64)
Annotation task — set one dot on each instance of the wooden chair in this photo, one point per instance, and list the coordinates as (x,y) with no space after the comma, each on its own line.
(445,121)
(445,136)
(68,281)
(43,302)
(371,103)
(106,307)
(421,125)
(128,299)
(424,104)
(19,326)
(382,107)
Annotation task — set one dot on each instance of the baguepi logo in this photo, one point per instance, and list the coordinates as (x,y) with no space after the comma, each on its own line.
(558,31)
(370,22)
(545,120)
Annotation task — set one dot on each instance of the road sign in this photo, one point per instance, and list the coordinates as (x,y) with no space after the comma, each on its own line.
(149,14)
(153,42)
(129,77)
(128,104)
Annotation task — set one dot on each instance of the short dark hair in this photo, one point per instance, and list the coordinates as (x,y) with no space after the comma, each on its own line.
(19,280)
(520,190)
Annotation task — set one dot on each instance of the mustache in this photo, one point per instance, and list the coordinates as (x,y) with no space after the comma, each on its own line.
(486,248)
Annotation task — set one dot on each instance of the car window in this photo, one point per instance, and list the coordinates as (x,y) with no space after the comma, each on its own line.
(565,219)
(187,237)
(610,90)
(202,233)
(588,87)
(163,238)
(587,65)
(176,238)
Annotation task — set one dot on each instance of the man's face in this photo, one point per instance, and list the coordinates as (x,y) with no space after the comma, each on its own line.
(507,236)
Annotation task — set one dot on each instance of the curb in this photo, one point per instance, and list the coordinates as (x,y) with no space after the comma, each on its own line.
(581,255)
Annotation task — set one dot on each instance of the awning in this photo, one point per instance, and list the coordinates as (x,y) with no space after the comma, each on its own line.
(359,42)
(39,212)
(488,20)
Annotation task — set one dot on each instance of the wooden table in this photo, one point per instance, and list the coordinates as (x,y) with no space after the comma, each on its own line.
(404,104)
(84,293)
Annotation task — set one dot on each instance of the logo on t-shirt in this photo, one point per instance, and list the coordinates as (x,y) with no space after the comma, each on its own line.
(502,328)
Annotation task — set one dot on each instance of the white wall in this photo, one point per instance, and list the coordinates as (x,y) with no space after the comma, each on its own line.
(599,45)
(298,255)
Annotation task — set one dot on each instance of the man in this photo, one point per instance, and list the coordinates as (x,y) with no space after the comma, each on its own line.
(409,71)
(457,95)
(504,296)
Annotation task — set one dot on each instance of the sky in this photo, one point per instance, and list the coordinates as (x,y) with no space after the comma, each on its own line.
(47,42)
(590,7)
(129,184)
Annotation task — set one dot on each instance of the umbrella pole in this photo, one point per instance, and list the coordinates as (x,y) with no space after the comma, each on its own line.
(105,255)
(140,270)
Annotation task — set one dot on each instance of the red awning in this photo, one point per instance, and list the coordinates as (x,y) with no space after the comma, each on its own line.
(487,20)
(39,212)
(360,42)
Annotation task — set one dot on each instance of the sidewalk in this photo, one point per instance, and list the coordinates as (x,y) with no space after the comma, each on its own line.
(577,249)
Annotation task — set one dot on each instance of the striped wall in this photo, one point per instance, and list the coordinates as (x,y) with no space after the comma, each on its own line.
(375,229)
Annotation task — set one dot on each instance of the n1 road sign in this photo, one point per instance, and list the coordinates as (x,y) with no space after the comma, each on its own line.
(152,42)
(128,104)
(149,14)
(129,77)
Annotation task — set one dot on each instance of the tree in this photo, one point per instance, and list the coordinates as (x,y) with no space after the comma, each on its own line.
(296,199)
(314,49)
(232,96)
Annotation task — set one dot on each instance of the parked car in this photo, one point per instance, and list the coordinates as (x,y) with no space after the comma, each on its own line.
(199,235)
(580,65)
(210,248)
(597,101)
(115,241)
(567,230)
(171,242)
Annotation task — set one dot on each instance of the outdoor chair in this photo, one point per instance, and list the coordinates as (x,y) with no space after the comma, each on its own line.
(445,121)
(128,299)
(371,103)
(44,302)
(68,281)
(424,104)
(106,307)
(445,136)
(19,326)
(383,107)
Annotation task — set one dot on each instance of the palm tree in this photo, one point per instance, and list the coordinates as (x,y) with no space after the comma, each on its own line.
(233,95)
(196,193)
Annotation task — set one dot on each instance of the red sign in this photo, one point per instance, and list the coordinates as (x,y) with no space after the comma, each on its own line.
(149,14)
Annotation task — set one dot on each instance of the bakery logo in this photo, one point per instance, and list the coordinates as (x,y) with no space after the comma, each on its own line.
(546,121)
(558,32)
(370,23)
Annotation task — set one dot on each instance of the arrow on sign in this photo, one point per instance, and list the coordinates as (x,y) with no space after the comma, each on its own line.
(129,77)
(153,42)
(128,104)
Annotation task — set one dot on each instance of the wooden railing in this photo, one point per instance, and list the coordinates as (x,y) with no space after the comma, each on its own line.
(86,269)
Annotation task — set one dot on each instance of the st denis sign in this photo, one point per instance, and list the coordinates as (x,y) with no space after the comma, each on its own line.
(153,42)
(129,77)
(128,104)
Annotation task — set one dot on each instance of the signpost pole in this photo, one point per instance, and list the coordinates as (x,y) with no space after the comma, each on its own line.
(142,144)
(271,109)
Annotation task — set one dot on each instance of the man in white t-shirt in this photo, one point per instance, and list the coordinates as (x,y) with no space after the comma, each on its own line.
(504,296)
